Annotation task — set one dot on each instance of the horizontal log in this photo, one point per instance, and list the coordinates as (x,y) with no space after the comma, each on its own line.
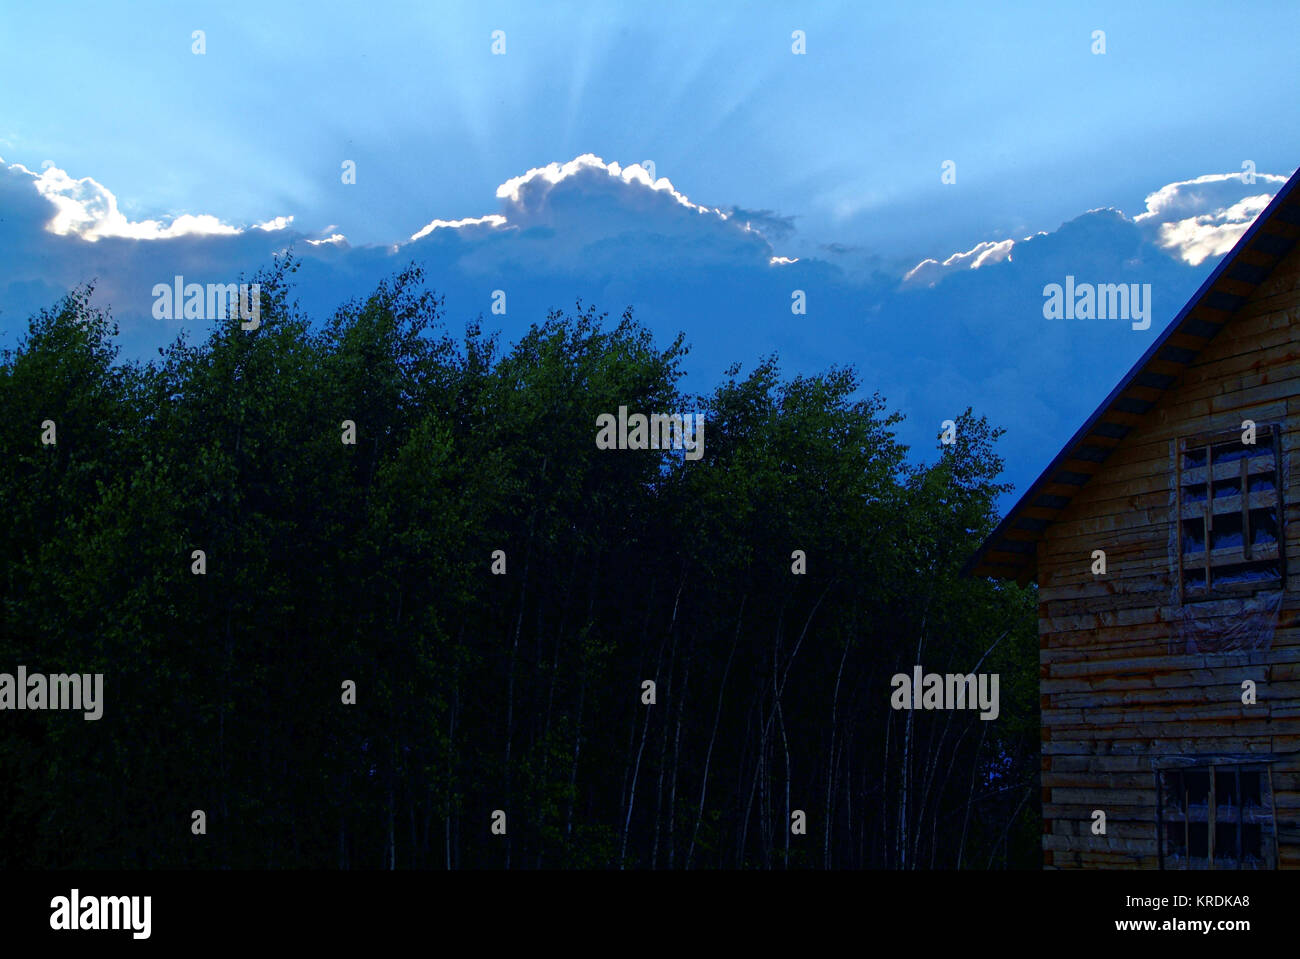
(1209,676)
(1276,696)
(1102,845)
(1064,663)
(1190,729)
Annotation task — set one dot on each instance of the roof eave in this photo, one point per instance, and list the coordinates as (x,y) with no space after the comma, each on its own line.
(1027,569)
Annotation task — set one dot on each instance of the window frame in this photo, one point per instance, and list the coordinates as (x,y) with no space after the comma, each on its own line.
(1264,816)
(1247,550)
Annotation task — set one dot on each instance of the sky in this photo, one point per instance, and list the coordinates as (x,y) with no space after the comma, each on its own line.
(919,172)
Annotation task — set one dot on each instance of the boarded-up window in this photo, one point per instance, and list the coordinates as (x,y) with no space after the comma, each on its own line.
(1216,814)
(1230,539)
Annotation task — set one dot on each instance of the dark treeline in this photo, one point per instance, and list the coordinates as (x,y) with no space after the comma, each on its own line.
(476,692)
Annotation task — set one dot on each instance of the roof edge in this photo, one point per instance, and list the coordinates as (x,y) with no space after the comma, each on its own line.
(1279,199)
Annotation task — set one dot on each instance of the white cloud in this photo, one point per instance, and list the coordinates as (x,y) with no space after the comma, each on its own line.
(1190,219)
(930,271)
(87,209)
(1213,234)
(1196,238)
(275,223)
(522,192)
(585,208)
(526,200)
(1204,217)
(1211,191)
(492,219)
(588,214)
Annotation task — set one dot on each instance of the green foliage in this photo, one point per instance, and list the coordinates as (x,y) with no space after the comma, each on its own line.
(371,562)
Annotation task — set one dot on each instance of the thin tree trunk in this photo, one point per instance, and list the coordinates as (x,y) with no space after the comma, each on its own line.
(767,725)
(884,790)
(577,746)
(417,853)
(582,696)
(631,801)
(753,788)
(831,763)
(514,655)
(663,757)
(1007,828)
(931,767)
(555,666)
(631,731)
(717,715)
(677,747)
(934,811)
(392,826)
(451,766)
(975,765)
(780,719)
(764,810)
(903,811)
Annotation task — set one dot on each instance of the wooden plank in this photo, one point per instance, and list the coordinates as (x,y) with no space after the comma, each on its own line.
(1204,730)
(1198,679)
(1097,764)
(1269,696)
(1127,822)
(1099,780)
(1138,643)
(1103,845)
(1119,717)
(1065,743)
(1072,662)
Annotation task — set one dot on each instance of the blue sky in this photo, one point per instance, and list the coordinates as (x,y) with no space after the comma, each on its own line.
(831,159)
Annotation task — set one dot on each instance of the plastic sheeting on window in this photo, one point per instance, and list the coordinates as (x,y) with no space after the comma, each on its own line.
(1229,625)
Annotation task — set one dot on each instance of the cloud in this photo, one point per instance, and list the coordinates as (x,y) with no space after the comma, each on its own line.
(538,198)
(1213,234)
(334,238)
(1189,219)
(273,224)
(1203,217)
(526,196)
(492,219)
(930,271)
(965,330)
(771,225)
(1204,194)
(87,209)
(587,215)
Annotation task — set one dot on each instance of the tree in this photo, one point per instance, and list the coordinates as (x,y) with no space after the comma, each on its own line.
(370,562)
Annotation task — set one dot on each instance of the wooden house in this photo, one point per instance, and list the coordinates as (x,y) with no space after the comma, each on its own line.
(1170,681)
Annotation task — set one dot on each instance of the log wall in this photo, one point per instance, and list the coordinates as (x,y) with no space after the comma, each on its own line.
(1114,696)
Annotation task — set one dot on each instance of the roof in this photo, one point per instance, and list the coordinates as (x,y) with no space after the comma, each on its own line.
(1010,551)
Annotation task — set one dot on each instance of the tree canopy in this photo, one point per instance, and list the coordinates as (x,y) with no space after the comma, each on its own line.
(476,690)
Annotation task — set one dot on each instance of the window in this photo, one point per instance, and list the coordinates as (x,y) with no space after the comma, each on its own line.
(1216,814)
(1230,515)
